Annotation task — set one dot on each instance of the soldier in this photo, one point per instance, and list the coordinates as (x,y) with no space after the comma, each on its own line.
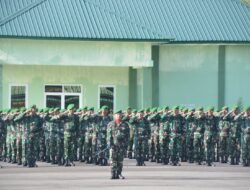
(71,123)
(141,136)
(224,126)
(190,129)
(83,124)
(198,143)
(165,136)
(2,136)
(245,150)
(176,123)
(60,140)
(88,137)
(235,137)
(117,138)
(126,118)
(102,151)
(210,134)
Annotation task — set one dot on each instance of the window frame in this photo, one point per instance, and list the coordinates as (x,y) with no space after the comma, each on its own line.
(63,94)
(26,93)
(99,93)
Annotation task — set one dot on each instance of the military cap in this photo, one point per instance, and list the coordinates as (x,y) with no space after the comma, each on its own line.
(118,112)
(85,108)
(91,109)
(236,107)
(33,106)
(200,108)
(70,106)
(192,109)
(46,110)
(153,109)
(41,110)
(225,108)
(176,107)
(62,110)
(105,107)
(129,108)
(134,110)
(211,108)
(247,108)
(166,107)
(1,111)
(159,109)
(141,111)
(22,109)
(51,110)
(79,110)
(57,109)
(147,109)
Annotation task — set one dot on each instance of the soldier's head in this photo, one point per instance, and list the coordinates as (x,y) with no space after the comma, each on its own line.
(141,113)
(105,110)
(118,116)
(201,110)
(225,110)
(56,111)
(176,110)
(166,109)
(211,110)
(33,109)
(129,111)
(71,108)
(85,109)
(247,110)
(236,110)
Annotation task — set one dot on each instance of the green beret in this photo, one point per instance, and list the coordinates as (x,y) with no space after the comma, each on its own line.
(70,106)
(141,111)
(153,109)
(85,108)
(192,109)
(57,109)
(46,110)
(166,107)
(33,106)
(1,111)
(129,108)
(51,110)
(134,111)
(147,109)
(176,107)
(79,110)
(118,112)
(104,108)
(225,108)
(41,110)
(236,107)
(211,108)
(200,108)
(247,108)
(159,109)
(91,109)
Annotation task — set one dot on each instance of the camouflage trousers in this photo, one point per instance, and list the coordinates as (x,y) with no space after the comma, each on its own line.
(234,150)
(175,148)
(209,149)
(190,148)
(246,150)
(198,148)
(68,147)
(165,152)
(8,148)
(60,149)
(140,152)
(81,141)
(224,148)
(88,149)
(32,150)
(117,156)
(19,148)
(53,147)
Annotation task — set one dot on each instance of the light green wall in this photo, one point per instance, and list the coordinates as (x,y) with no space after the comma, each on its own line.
(237,74)
(188,75)
(65,52)
(89,77)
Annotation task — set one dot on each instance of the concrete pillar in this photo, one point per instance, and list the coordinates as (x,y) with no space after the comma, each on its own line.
(155,76)
(132,87)
(221,76)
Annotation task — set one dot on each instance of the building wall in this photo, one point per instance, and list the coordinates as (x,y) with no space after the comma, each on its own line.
(89,77)
(188,75)
(237,75)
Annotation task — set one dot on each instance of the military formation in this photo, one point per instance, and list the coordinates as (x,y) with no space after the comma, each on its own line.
(162,135)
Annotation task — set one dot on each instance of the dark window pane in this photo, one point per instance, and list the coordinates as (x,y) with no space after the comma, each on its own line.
(72,89)
(51,88)
(71,100)
(107,97)
(17,96)
(53,101)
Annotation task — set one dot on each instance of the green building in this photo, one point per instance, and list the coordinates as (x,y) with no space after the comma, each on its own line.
(137,53)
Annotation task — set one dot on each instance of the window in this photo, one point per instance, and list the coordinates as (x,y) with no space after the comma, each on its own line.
(18,96)
(63,95)
(107,96)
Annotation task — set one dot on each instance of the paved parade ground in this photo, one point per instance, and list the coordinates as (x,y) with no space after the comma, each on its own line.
(153,176)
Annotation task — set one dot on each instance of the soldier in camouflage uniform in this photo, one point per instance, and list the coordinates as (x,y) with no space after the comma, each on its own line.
(141,136)
(83,123)
(71,123)
(2,136)
(117,138)
(235,137)
(190,129)
(176,123)
(211,123)
(127,118)
(102,152)
(245,147)
(60,140)
(198,143)
(154,121)
(224,126)
(165,137)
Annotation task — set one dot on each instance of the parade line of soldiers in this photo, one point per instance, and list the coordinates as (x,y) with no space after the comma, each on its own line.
(166,136)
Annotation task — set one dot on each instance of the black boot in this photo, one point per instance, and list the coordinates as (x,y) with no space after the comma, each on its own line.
(67,163)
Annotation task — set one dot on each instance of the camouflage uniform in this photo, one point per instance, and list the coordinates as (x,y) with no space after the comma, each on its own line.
(191,127)
(165,131)
(102,151)
(117,138)
(141,136)
(88,139)
(209,138)
(2,138)
(60,142)
(54,125)
(176,123)
(245,149)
